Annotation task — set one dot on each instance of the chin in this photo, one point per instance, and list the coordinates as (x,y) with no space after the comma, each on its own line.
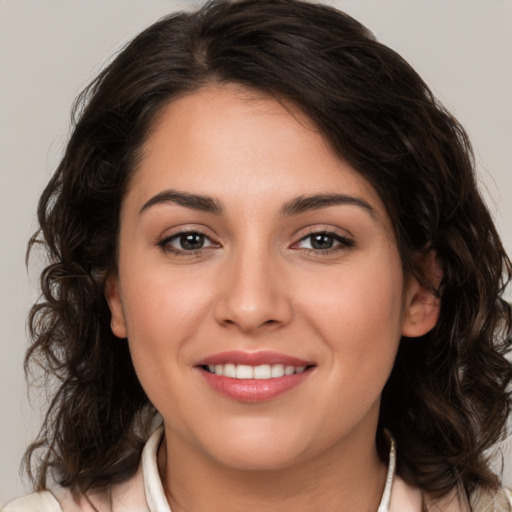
(256,452)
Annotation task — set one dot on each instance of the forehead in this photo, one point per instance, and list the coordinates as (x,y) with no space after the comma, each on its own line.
(237,144)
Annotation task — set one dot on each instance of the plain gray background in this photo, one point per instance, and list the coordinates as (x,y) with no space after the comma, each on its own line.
(50,49)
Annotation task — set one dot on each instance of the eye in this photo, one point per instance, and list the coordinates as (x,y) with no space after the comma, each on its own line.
(187,242)
(324,242)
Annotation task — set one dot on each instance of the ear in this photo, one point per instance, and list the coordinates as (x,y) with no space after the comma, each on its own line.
(117,324)
(422,305)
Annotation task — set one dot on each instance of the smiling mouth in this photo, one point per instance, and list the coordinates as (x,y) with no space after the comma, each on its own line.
(260,372)
(254,376)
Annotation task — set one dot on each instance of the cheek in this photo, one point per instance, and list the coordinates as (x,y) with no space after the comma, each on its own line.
(358,314)
(162,317)
(162,312)
(163,304)
(361,331)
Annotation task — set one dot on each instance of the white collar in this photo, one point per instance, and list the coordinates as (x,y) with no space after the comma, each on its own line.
(155,495)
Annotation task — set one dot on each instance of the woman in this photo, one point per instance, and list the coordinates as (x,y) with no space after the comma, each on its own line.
(272,281)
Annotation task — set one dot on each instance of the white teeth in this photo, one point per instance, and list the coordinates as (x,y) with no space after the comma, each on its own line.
(289,370)
(264,371)
(277,370)
(230,370)
(242,371)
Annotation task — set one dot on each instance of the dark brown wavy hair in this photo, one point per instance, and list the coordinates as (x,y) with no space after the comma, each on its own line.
(447,399)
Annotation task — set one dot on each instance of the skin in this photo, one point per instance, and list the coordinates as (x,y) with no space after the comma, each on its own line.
(257,284)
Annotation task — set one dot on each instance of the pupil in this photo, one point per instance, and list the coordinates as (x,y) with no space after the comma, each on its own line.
(192,241)
(321,242)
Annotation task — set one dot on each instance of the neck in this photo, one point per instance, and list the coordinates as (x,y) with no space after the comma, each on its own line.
(346,477)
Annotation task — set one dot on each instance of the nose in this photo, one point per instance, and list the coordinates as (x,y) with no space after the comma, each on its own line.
(253,293)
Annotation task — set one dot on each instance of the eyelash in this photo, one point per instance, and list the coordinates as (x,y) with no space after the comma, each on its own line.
(344,243)
(166,246)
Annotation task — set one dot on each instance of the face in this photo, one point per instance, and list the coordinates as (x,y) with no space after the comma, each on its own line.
(259,284)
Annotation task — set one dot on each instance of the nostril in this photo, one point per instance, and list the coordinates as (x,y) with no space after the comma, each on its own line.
(250,307)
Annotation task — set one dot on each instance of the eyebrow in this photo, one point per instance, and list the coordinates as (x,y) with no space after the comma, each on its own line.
(296,206)
(315,202)
(193,201)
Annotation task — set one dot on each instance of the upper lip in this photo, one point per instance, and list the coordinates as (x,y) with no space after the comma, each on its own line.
(253,358)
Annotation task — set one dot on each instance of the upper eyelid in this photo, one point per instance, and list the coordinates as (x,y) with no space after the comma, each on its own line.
(186,231)
(174,232)
(177,234)
(323,229)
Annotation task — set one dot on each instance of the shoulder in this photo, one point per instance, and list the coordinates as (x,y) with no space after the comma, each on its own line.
(485,501)
(126,496)
(43,501)
(480,500)
(406,498)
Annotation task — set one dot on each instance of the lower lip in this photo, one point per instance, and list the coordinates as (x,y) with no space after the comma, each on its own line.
(254,390)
